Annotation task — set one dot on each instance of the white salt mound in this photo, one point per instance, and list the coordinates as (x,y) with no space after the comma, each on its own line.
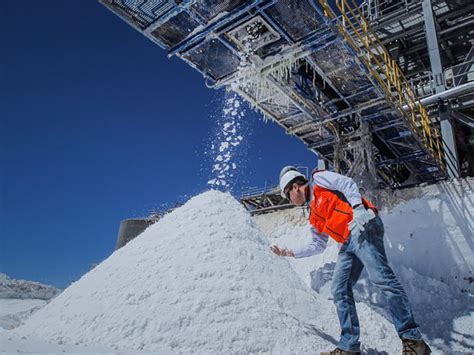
(202,280)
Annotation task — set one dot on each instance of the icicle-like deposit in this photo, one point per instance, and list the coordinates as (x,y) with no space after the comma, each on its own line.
(259,87)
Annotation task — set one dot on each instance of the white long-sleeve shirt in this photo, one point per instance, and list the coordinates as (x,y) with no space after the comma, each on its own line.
(338,182)
(317,245)
(335,182)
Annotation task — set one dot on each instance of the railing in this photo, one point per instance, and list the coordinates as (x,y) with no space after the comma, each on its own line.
(459,74)
(355,28)
(373,9)
(423,85)
(454,76)
(258,191)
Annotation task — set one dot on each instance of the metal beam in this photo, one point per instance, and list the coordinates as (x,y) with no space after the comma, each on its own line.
(465,119)
(403,159)
(186,44)
(447,131)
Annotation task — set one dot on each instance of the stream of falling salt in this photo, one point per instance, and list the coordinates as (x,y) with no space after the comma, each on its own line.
(231,124)
(224,151)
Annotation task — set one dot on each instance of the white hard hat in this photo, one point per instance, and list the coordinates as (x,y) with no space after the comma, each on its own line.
(287,174)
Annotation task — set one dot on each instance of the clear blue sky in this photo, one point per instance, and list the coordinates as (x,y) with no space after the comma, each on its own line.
(98,125)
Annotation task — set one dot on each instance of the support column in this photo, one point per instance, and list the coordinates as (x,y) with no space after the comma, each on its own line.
(363,169)
(447,131)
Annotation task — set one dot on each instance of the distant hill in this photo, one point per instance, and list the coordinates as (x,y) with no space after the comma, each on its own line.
(22,289)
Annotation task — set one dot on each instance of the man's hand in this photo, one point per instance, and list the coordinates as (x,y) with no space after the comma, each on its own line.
(281,252)
(359,219)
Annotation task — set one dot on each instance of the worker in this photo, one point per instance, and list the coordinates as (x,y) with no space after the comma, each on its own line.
(338,211)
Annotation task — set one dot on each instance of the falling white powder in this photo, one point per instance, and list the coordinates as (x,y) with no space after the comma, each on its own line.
(251,82)
(225,152)
(224,145)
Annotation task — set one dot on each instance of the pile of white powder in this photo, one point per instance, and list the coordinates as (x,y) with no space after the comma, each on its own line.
(202,279)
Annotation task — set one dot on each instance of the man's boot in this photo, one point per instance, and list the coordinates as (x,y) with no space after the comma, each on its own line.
(415,347)
(338,351)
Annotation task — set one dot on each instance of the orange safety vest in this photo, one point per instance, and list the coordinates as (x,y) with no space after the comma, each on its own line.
(330,213)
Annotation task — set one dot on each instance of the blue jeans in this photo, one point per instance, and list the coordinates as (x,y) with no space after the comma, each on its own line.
(368,250)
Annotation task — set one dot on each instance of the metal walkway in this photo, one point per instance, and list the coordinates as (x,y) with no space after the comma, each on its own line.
(320,73)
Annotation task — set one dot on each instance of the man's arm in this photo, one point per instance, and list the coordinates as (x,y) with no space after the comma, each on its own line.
(317,246)
(341,183)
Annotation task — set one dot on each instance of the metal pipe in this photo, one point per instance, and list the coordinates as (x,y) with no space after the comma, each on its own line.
(456,91)
(456,27)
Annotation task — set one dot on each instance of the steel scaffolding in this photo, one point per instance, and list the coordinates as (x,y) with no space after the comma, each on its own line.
(353,82)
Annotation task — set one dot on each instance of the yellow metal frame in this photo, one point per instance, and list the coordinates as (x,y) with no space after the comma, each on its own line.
(377,60)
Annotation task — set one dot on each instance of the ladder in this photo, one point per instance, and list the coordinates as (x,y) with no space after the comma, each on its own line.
(384,71)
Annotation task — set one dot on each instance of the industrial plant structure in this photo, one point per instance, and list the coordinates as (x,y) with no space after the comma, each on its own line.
(382,90)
